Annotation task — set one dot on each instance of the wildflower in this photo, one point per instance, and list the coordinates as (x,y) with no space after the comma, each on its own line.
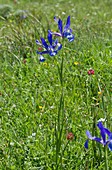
(51,49)
(103,131)
(66,32)
(24,61)
(45,64)
(41,58)
(40,107)
(40,49)
(99,92)
(11,143)
(90,72)
(70,136)
(76,63)
(33,134)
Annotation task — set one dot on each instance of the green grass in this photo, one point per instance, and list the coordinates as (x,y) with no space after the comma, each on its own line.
(34,115)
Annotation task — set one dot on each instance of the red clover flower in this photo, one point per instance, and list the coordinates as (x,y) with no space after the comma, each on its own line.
(90,72)
(70,136)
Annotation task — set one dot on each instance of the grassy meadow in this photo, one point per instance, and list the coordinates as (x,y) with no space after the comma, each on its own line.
(42,103)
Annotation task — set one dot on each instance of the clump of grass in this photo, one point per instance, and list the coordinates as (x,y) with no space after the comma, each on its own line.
(5,10)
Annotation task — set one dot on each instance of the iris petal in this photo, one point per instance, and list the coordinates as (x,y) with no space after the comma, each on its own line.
(60,26)
(44,43)
(89,134)
(97,140)
(70,37)
(86,144)
(110,137)
(55,33)
(52,53)
(56,19)
(55,42)
(49,31)
(102,131)
(56,45)
(110,146)
(107,132)
(41,59)
(50,38)
(67,24)
(43,52)
(38,42)
(100,125)
(93,138)
(59,46)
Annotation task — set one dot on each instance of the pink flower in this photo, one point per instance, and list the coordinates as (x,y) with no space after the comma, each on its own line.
(90,72)
(40,48)
(70,136)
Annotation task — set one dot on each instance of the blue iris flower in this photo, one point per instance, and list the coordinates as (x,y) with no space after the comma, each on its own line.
(64,32)
(51,49)
(103,131)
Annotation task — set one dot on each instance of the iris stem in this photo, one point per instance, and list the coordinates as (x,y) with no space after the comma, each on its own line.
(60,118)
(60,72)
(106,158)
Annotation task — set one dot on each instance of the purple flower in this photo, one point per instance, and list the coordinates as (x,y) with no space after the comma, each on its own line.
(51,49)
(103,131)
(64,32)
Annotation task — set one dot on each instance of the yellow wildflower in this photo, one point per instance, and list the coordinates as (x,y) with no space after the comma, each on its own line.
(99,92)
(44,63)
(40,107)
(76,63)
